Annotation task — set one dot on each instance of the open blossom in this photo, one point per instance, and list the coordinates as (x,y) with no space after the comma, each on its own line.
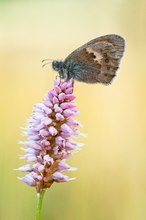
(49,142)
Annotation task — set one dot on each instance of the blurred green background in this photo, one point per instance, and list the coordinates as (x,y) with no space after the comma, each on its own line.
(111,180)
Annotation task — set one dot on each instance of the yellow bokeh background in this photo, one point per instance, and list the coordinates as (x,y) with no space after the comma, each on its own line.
(111,176)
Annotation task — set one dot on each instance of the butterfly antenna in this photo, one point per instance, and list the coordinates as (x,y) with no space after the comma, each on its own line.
(48,62)
(45,64)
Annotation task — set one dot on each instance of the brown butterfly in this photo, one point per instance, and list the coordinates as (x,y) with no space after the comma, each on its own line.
(95,62)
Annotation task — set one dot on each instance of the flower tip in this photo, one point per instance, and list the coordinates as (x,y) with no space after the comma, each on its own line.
(73,178)
(73,169)
(20,142)
(83,135)
(16,169)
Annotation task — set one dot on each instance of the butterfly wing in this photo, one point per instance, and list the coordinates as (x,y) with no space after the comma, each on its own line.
(96,61)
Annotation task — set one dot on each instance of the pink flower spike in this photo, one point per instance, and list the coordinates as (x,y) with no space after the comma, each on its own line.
(49,132)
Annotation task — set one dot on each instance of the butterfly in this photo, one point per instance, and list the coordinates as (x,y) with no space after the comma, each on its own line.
(95,62)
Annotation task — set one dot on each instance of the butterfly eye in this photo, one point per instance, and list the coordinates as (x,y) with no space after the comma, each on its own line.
(57,65)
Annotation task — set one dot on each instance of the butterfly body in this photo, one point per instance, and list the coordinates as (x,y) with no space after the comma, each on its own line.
(95,62)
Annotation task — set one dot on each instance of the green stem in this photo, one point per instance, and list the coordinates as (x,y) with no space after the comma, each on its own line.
(39,204)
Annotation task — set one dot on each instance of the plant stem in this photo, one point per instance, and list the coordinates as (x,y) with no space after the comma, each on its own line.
(39,204)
